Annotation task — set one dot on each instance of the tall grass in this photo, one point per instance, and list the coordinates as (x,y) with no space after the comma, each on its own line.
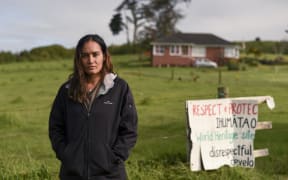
(28,89)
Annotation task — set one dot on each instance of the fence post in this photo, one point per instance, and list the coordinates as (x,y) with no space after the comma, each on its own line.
(260,126)
(222,91)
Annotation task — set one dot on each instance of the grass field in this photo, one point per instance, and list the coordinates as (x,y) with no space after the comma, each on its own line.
(28,89)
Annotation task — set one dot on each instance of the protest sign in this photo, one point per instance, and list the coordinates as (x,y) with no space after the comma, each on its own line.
(222,131)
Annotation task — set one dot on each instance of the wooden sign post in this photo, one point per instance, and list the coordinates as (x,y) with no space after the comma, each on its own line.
(222,131)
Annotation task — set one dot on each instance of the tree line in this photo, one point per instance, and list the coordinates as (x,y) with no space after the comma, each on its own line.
(43,53)
(258,47)
(59,52)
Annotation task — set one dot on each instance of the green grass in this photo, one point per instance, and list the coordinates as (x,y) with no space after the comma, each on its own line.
(28,89)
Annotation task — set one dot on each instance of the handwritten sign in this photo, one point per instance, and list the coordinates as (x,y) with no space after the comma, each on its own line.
(222,132)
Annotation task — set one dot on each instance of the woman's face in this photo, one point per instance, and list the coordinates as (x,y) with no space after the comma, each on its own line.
(92,58)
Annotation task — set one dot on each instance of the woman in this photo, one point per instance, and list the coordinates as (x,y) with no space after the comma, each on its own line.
(93,120)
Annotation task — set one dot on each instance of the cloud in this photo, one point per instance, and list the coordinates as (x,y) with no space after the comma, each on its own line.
(237,20)
(30,23)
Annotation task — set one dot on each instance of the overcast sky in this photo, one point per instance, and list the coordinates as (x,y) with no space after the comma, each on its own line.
(30,23)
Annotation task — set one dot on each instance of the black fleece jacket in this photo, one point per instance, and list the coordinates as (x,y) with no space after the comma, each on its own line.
(95,144)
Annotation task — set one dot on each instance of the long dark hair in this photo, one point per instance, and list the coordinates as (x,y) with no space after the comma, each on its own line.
(77,89)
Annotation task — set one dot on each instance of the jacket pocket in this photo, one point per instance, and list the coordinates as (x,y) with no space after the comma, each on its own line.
(113,160)
(102,159)
(73,159)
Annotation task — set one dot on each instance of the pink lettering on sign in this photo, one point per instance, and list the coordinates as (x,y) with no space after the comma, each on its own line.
(206,109)
(218,109)
(244,108)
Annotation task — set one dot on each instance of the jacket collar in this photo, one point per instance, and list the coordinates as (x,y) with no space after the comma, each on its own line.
(107,84)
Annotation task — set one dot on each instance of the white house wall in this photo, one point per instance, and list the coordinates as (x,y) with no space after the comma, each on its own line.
(231,52)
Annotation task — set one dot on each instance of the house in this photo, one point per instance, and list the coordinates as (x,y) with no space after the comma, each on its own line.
(182,49)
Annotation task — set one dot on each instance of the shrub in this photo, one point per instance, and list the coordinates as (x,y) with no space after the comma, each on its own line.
(125,49)
(6,56)
(249,61)
(233,65)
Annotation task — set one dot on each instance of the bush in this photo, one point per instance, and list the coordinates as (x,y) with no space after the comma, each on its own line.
(233,65)
(249,61)
(51,52)
(6,56)
(125,49)
(279,60)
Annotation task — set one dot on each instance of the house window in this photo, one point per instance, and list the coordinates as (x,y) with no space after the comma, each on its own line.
(185,50)
(231,52)
(175,50)
(198,51)
(159,50)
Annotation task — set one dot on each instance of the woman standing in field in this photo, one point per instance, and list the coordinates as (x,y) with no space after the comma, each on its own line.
(93,120)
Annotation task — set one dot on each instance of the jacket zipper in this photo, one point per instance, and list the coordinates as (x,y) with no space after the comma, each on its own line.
(88,135)
(87,142)
(88,145)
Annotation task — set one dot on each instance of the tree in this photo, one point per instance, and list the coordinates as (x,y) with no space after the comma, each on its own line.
(135,17)
(162,17)
(116,24)
(258,39)
(150,18)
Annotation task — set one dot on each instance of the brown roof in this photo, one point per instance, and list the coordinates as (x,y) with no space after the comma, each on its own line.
(194,38)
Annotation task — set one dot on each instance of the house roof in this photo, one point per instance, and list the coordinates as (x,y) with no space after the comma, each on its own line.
(194,38)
